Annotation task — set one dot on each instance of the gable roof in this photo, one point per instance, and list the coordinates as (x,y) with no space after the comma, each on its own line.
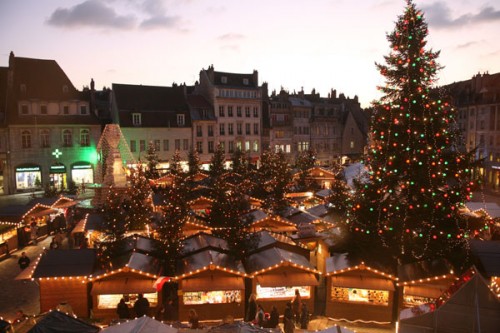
(275,257)
(64,263)
(487,254)
(201,242)
(209,259)
(424,269)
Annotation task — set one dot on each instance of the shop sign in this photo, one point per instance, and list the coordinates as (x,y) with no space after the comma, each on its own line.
(57,169)
(82,166)
(28,169)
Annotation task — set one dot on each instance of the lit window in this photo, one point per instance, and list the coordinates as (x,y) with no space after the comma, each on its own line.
(256,146)
(136,119)
(85,138)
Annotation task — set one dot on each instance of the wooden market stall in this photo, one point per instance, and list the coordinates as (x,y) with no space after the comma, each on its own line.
(211,282)
(356,291)
(8,237)
(133,268)
(259,219)
(63,276)
(423,282)
(277,272)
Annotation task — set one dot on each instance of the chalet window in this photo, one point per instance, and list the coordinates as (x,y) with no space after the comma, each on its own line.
(85,138)
(67,138)
(136,119)
(26,139)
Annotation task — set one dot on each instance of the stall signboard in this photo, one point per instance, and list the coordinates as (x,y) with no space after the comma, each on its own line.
(375,297)
(212,297)
(284,292)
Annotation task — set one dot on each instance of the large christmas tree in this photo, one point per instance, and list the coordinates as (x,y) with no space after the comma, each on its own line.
(419,179)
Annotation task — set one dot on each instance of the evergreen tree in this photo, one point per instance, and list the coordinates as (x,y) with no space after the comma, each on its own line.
(305,161)
(217,169)
(193,162)
(340,200)
(239,162)
(274,181)
(152,162)
(227,215)
(173,217)
(138,200)
(175,164)
(419,180)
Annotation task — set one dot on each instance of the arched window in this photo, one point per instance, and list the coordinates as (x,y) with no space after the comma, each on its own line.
(67,138)
(26,139)
(45,138)
(85,138)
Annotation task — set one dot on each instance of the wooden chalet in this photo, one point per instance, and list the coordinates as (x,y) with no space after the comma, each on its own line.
(210,281)
(323,178)
(63,276)
(356,291)
(277,273)
(200,205)
(424,281)
(260,220)
(133,269)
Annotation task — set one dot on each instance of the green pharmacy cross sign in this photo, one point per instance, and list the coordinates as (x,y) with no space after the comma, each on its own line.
(57,153)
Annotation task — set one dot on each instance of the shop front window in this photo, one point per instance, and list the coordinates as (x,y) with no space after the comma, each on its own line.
(110,301)
(28,177)
(358,295)
(412,300)
(284,292)
(212,297)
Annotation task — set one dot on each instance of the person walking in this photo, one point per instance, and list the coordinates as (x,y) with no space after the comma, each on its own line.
(23,261)
(122,310)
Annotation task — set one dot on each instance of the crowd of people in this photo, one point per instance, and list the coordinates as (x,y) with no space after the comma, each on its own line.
(296,314)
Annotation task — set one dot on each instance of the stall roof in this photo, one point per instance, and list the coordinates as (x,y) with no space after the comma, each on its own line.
(143,324)
(340,262)
(491,208)
(139,244)
(488,255)
(95,222)
(318,210)
(203,241)
(303,218)
(255,215)
(238,327)
(62,263)
(203,260)
(136,261)
(468,303)
(55,321)
(323,194)
(424,269)
(275,257)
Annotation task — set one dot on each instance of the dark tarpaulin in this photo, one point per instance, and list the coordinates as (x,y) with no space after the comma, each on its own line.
(58,322)
(240,327)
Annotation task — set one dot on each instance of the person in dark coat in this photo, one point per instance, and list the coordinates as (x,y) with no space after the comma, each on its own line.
(274,318)
(260,316)
(304,317)
(193,320)
(141,306)
(23,261)
(296,302)
(122,310)
(288,324)
(252,309)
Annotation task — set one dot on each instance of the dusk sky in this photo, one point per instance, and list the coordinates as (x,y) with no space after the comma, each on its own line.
(321,44)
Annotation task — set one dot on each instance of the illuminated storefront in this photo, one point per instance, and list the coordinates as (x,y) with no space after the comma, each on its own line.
(288,292)
(57,176)
(356,291)
(28,177)
(212,297)
(82,172)
(109,301)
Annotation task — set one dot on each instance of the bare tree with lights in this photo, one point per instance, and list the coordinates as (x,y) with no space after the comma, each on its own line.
(419,179)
